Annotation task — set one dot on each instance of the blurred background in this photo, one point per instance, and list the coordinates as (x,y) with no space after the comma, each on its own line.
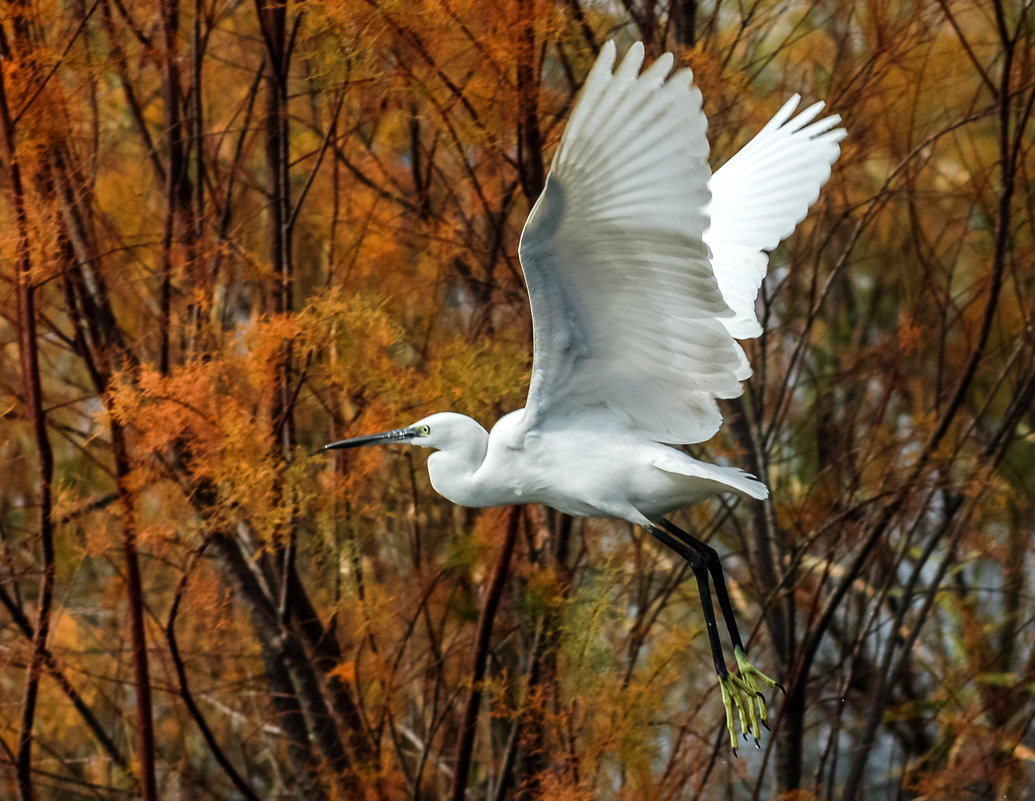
(232,232)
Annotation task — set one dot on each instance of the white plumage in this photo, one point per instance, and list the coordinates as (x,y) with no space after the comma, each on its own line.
(642,270)
(759,196)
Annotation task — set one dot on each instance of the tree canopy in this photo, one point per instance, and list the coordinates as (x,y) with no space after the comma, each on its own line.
(233,232)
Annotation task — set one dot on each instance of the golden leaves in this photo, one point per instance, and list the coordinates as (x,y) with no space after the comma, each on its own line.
(346,671)
(218,412)
(407,299)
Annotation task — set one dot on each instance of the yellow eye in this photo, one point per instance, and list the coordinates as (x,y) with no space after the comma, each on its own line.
(424,430)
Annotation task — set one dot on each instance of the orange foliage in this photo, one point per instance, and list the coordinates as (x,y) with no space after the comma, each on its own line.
(233,267)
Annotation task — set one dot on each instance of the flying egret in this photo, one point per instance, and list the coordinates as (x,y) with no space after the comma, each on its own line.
(642,271)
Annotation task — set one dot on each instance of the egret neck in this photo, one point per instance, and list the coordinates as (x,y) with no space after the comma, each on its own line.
(461,444)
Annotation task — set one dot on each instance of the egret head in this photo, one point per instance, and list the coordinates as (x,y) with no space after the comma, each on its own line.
(436,431)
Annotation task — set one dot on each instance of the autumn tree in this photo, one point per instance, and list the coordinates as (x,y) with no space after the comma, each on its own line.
(234,232)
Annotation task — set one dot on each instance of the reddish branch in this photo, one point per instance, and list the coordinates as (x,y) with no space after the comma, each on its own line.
(87,331)
(138,634)
(469,724)
(177,180)
(530,143)
(1008,169)
(301,707)
(98,340)
(121,64)
(188,697)
(29,357)
(55,672)
(543,671)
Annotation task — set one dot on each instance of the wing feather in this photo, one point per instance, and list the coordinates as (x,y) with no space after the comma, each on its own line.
(626,310)
(641,266)
(759,196)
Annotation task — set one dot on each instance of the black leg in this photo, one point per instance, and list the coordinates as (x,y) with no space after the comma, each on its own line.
(741,691)
(710,558)
(697,564)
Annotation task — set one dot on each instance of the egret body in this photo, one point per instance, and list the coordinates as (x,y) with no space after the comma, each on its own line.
(642,270)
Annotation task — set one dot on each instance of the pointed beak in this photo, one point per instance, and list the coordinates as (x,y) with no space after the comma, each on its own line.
(386,437)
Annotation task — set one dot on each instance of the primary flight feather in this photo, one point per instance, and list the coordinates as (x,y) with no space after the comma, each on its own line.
(642,271)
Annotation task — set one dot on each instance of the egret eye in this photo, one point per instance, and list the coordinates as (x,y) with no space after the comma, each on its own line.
(424,430)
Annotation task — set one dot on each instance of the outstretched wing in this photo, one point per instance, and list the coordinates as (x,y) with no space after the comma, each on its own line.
(759,196)
(628,318)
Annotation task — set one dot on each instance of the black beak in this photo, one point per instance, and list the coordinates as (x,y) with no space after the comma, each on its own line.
(396,435)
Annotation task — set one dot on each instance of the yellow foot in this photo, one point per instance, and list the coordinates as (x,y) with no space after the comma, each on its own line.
(744,691)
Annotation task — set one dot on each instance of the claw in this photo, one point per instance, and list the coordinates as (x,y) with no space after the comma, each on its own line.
(744,691)
(727,701)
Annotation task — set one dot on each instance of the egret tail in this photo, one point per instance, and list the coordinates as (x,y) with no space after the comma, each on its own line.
(708,479)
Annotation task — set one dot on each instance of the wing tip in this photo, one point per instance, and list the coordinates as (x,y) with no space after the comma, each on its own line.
(631,61)
(754,488)
(785,113)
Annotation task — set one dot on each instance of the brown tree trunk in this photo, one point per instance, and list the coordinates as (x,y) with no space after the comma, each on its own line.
(483,636)
(530,142)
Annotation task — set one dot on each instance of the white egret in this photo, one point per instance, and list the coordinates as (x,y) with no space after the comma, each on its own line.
(642,271)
